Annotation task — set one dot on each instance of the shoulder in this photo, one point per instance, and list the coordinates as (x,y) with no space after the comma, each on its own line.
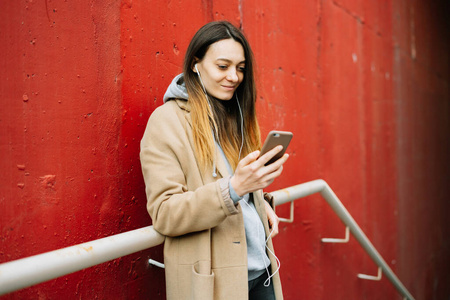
(168,109)
(171,113)
(167,121)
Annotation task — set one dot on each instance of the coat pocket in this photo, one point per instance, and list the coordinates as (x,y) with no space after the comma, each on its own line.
(202,282)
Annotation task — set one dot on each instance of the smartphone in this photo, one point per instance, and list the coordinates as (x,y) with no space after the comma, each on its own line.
(275,138)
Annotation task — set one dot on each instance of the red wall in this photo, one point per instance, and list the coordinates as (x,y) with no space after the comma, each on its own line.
(421,63)
(362,84)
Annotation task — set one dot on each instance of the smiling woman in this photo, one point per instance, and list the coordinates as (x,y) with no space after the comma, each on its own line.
(204,175)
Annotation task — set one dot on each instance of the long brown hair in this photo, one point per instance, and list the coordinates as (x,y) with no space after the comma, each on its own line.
(223,119)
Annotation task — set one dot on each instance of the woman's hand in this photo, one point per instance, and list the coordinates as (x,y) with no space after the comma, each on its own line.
(251,173)
(273,220)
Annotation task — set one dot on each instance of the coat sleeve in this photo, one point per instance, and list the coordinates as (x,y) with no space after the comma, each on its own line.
(167,160)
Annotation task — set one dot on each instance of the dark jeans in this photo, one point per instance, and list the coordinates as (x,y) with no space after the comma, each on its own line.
(257,290)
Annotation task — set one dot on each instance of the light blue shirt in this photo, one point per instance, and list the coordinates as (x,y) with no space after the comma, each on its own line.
(254,230)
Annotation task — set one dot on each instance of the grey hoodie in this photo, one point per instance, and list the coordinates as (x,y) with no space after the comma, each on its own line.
(258,261)
(176,89)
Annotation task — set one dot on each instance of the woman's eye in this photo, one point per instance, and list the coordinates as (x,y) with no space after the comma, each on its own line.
(241,69)
(222,67)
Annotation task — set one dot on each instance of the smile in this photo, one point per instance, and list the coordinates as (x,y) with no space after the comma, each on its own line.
(229,88)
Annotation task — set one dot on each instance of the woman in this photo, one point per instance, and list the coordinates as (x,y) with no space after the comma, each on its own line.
(204,175)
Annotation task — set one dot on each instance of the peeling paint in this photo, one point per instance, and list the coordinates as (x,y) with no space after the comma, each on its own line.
(87,249)
(48,181)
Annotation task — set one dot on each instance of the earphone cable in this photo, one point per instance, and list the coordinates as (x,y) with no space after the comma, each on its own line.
(242,128)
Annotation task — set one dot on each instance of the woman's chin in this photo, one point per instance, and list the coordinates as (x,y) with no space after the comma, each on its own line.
(225,97)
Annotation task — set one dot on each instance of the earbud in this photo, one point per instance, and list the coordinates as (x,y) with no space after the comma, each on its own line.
(196,69)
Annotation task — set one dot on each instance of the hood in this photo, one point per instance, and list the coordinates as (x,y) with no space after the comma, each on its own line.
(176,89)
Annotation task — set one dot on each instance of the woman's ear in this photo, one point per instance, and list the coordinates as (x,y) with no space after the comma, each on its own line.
(194,65)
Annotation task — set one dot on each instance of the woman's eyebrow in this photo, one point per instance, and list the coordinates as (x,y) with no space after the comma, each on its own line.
(229,61)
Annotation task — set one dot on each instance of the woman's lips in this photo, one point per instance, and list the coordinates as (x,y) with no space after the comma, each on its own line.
(229,87)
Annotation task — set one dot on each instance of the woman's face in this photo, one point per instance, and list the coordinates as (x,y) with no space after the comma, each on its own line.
(222,68)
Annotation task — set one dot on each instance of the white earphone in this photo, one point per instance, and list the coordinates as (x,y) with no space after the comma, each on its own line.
(214,174)
(203,86)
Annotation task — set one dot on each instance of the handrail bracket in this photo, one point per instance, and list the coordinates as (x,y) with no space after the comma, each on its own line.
(342,241)
(156,263)
(370,277)
(291,215)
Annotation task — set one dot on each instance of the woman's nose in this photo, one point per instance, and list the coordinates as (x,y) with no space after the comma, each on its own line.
(232,75)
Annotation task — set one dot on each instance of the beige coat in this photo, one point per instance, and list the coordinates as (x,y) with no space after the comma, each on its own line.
(205,251)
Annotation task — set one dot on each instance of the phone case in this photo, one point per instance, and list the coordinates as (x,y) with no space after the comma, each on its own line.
(275,138)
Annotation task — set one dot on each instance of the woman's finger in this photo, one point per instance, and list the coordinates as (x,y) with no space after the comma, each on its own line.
(249,159)
(277,164)
(274,170)
(273,220)
(269,155)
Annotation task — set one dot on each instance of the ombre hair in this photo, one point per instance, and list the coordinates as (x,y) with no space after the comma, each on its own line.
(217,120)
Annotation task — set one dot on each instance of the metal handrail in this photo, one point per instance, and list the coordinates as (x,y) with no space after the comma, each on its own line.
(32,270)
(25,272)
(320,186)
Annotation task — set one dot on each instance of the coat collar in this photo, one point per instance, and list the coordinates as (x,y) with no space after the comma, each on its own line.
(184,105)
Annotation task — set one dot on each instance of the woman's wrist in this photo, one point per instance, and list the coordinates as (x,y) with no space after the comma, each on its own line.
(235,197)
(236,187)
